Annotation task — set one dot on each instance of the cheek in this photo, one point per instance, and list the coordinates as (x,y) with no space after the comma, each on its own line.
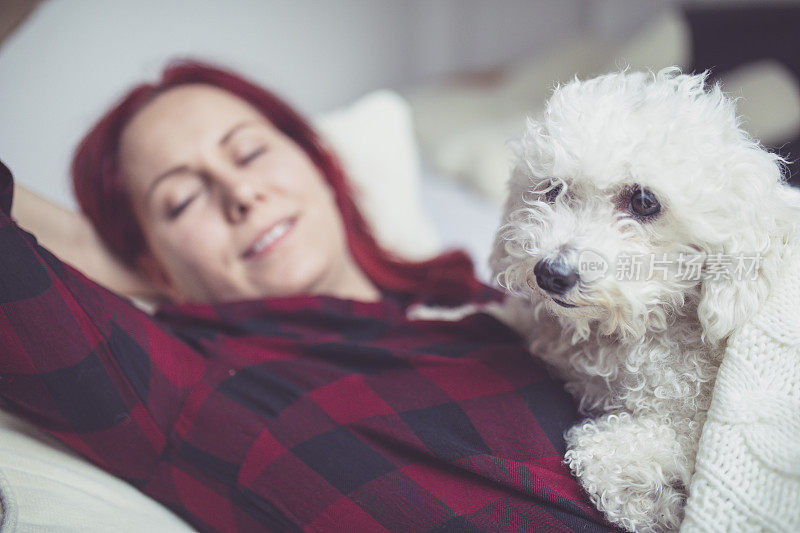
(332,227)
(193,245)
(320,205)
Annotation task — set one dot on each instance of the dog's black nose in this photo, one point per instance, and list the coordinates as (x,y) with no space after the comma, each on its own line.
(555,276)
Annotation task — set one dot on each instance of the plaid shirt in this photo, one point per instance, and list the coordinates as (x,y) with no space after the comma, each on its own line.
(301,413)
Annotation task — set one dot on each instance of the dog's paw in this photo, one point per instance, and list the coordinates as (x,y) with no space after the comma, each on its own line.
(630,472)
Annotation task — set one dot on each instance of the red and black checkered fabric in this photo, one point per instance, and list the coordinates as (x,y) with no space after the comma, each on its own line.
(302,413)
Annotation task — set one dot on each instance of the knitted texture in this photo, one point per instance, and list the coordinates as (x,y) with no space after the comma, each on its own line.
(747,474)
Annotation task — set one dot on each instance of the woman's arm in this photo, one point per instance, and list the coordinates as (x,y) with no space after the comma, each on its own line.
(71,237)
(83,363)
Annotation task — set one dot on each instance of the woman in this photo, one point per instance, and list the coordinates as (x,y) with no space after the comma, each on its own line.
(280,385)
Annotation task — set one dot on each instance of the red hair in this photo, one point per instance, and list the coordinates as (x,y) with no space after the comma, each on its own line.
(447,278)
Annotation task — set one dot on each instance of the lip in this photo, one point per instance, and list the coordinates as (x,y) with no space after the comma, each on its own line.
(563,304)
(250,252)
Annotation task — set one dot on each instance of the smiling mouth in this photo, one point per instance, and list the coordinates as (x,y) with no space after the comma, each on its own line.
(270,239)
(563,304)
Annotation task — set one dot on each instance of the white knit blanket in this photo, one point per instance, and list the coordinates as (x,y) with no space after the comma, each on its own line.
(747,474)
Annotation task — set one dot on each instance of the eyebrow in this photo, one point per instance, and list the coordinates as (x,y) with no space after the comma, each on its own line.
(183,168)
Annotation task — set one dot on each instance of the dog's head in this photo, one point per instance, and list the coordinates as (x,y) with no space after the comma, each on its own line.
(637,197)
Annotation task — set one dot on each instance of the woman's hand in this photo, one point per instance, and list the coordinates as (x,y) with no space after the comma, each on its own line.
(72,238)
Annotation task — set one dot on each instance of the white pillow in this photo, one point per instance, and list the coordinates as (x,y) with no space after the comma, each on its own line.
(374,139)
(46,487)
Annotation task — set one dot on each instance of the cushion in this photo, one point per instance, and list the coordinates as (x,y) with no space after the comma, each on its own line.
(46,487)
(374,139)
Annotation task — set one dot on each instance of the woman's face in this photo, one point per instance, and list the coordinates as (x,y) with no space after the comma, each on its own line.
(231,208)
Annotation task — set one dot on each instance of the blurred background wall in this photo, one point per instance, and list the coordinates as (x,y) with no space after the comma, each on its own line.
(62,62)
(319,53)
(74,57)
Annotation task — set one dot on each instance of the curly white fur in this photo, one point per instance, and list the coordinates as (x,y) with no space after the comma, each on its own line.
(640,356)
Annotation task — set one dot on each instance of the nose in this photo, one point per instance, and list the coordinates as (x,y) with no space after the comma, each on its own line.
(555,276)
(239,198)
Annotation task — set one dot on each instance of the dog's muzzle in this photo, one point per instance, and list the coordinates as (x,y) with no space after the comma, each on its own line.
(555,277)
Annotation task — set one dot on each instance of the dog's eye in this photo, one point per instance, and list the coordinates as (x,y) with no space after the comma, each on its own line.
(644,203)
(552,193)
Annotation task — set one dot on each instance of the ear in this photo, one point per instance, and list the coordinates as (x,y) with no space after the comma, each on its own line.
(152,270)
(765,233)
(517,186)
(725,305)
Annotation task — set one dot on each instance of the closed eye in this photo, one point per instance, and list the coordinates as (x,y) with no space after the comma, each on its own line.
(175,212)
(250,157)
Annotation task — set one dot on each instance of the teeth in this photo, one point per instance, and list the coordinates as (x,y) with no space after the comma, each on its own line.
(273,234)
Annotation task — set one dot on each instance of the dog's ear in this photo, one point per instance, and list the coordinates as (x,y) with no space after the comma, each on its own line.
(725,305)
(764,231)
(517,186)
(499,259)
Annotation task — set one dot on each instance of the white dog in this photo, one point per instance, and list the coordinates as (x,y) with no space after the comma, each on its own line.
(644,226)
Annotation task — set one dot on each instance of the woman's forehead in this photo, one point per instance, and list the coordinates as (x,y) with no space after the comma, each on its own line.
(167,129)
(189,108)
